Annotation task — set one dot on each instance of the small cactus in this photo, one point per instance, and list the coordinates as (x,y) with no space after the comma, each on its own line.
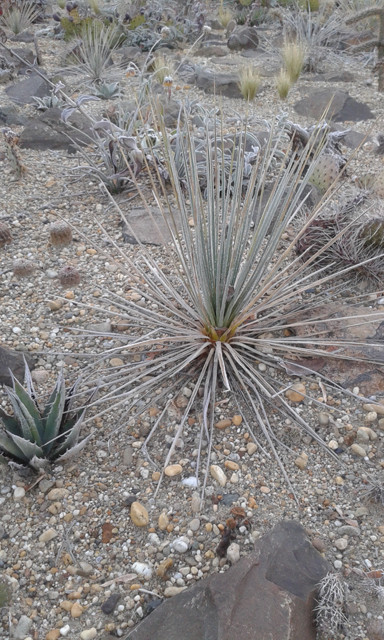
(69,276)
(23,268)
(60,233)
(5,235)
(325,172)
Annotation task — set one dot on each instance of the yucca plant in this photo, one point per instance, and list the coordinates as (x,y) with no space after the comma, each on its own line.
(93,56)
(19,16)
(222,316)
(34,437)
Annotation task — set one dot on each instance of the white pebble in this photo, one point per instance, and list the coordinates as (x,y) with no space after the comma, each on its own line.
(88,634)
(18,493)
(337,564)
(233,552)
(142,569)
(181,545)
(190,482)
(65,630)
(341,544)
(16,330)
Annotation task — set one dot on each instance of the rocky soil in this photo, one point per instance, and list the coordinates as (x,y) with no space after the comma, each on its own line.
(87,550)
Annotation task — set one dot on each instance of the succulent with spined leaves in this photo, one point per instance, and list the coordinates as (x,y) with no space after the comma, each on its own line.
(34,437)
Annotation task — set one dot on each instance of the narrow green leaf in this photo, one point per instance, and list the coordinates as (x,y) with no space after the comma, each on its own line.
(54,419)
(29,449)
(30,411)
(10,423)
(71,435)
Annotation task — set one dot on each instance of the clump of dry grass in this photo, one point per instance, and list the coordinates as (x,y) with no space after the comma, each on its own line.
(283,83)
(293,54)
(249,83)
(225,16)
(161,67)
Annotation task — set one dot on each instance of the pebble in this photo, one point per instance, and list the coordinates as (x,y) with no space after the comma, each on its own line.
(173,470)
(377,408)
(191,481)
(163,521)
(348,530)
(116,362)
(164,567)
(233,552)
(319,544)
(358,450)
(18,493)
(65,630)
(251,448)
(296,393)
(218,474)
(337,564)
(194,524)
(142,569)
(333,444)
(223,424)
(181,545)
(323,419)
(302,461)
(169,592)
(139,514)
(371,416)
(57,494)
(53,634)
(237,419)
(231,465)
(55,305)
(88,634)
(22,628)
(341,544)
(76,610)
(48,535)
(109,605)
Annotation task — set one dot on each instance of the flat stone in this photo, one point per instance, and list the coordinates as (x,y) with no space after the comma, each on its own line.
(341,544)
(47,131)
(109,605)
(24,90)
(268,594)
(76,610)
(139,514)
(146,226)
(48,535)
(233,552)
(18,493)
(358,450)
(22,628)
(163,521)
(251,448)
(296,393)
(53,634)
(88,634)
(213,82)
(342,107)
(58,493)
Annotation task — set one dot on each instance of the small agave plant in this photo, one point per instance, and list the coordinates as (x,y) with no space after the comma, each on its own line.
(34,437)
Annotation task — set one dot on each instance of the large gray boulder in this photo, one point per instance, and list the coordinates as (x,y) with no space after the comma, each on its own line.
(267,595)
(340,106)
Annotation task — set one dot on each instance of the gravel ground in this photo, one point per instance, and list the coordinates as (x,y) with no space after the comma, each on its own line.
(75,562)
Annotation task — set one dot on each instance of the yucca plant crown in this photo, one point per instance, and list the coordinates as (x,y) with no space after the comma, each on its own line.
(33,436)
(229,313)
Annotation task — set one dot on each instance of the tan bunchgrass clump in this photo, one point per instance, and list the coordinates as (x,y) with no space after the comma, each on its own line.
(283,83)
(225,16)
(249,83)
(293,54)
(161,67)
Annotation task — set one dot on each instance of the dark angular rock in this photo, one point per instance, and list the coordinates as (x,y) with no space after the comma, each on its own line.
(267,595)
(23,92)
(9,60)
(243,38)
(341,107)
(226,84)
(109,605)
(48,131)
(14,361)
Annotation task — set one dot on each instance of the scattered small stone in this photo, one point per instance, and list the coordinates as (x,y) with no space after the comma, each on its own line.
(323,419)
(218,474)
(223,424)
(181,545)
(348,530)
(251,448)
(139,514)
(173,470)
(109,605)
(48,535)
(191,481)
(88,634)
(57,494)
(358,450)
(163,521)
(22,628)
(18,493)
(169,592)
(302,461)
(377,408)
(296,393)
(333,444)
(65,630)
(371,416)
(319,544)
(164,567)
(53,634)
(231,465)
(194,524)
(55,305)
(116,362)
(237,420)
(195,502)
(142,569)
(337,564)
(341,544)
(76,610)
(233,552)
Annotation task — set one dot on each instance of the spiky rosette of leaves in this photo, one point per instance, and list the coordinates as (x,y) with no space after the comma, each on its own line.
(222,316)
(33,436)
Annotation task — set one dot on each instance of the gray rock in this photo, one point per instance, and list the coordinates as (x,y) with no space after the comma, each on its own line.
(342,107)
(376,629)
(10,61)
(267,595)
(14,361)
(225,84)
(149,228)
(22,628)
(23,91)
(243,38)
(10,116)
(210,48)
(48,131)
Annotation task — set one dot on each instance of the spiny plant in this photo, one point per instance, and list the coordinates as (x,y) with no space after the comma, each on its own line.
(223,318)
(249,82)
(107,91)
(34,437)
(326,171)
(378,42)
(344,241)
(60,233)
(93,56)
(293,54)
(330,603)
(19,16)
(11,141)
